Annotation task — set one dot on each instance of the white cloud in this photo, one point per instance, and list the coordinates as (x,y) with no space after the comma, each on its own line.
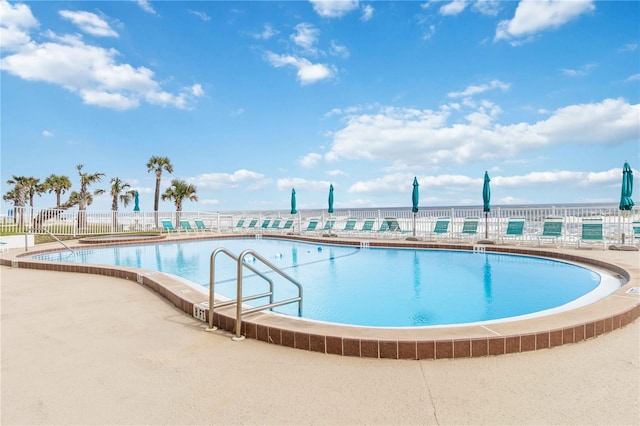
(89,22)
(200,15)
(629,47)
(367,13)
(532,17)
(307,72)
(477,89)
(90,71)
(339,50)
(305,36)
(580,72)
(487,7)
(426,138)
(16,22)
(267,32)
(453,8)
(310,160)
(47,133)
(335,173)
(634,77)
(302,185)
(146,6)
(333,8)
(251,180)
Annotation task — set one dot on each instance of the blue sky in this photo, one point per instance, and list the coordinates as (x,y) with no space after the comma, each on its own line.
(250,99)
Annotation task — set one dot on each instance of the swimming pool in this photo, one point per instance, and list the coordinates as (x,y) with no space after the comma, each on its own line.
(376,287)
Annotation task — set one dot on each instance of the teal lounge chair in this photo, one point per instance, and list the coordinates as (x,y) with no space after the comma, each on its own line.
(312,226)
(239,225)
(389,227)
(515,230)
(636,232)
(167,225)
(265,224)
(440,229)
(252,225)
(469,228)
(367,227)
(328,226)
(200,226)
(186,226)
(592,232)
(275,225)
(349,226)
(288,225)
(551,230)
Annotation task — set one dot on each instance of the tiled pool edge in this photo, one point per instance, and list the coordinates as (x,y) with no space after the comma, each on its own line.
(611,313)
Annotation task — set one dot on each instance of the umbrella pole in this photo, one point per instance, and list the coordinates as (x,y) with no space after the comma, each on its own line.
(414,224)
(486,225)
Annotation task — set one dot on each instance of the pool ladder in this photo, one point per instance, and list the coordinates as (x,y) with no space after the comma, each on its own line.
(240,300)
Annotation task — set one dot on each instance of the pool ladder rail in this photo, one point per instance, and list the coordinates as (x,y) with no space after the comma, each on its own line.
(240,299)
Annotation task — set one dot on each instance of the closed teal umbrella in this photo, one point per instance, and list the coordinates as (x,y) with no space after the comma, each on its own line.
(293,201)
(486,206)
(626,203)
(330,210)
(415,198)
(136,199)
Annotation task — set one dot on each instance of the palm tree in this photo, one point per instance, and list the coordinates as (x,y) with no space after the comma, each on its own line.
(84,197)
(178,192)
(158,164)
(119,193)
(18,195)
(57,184)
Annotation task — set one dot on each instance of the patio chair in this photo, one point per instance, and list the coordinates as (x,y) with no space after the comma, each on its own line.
(551,230)
(167,225)
(275,224)
(328,226)
(515,230)
(239,225)
(592,232)
(469,228)
(200,226)
(440,229)
(288,225)
(312,226)
(265,224)
(349,226)
(186,226)
(636,232)
(390,227)
(367,227)
(251,226)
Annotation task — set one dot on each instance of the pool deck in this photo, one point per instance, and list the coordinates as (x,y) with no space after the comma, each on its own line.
(95,349)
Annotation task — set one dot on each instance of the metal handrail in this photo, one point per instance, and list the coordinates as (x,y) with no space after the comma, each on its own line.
(230,302)
(239,311)
(54,237)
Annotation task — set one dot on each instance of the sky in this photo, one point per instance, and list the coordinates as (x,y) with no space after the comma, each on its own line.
(251,99)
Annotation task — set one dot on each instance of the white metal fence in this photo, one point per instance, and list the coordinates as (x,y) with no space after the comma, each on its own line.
(76,223)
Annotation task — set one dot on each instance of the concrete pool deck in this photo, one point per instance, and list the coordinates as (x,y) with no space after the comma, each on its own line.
(91,349)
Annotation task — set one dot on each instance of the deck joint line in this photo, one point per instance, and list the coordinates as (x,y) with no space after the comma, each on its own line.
(492,331)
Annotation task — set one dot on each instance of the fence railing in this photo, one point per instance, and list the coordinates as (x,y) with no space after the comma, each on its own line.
(76,223)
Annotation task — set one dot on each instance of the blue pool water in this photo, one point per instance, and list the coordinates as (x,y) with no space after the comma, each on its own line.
(369,287)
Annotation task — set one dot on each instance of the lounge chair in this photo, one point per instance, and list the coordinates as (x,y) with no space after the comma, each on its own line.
(551,230)
(200,226)
(275,224)
(592,232)
(515,230)
(167,225)
(390,227)
(239,225)
(186,226)
(440,229)
(328,227)
(288,225)
(636,232)
(367,227)
(252,225)
(312,226)
(265,224)
(349,226)
(469,228)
